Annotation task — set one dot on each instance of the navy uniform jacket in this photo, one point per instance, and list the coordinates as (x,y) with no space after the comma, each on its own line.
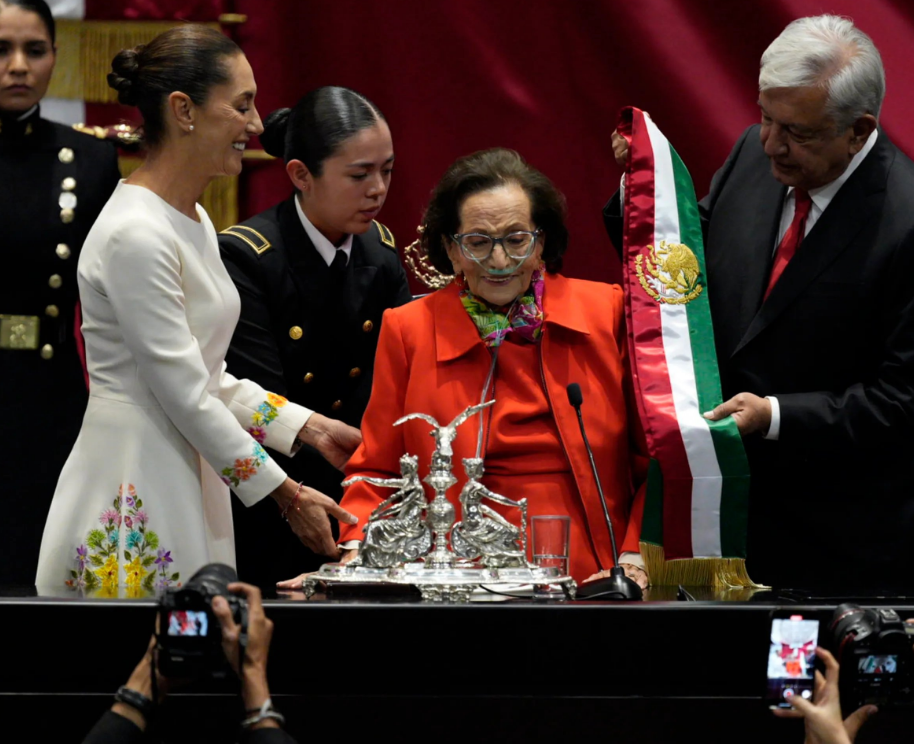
(831,499)
(53,183)
(300,337)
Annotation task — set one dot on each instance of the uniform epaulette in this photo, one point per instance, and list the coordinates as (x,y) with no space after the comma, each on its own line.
(249,235)
(99,132)
(387,237)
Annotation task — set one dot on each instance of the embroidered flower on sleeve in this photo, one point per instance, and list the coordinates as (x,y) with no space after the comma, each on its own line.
(264,415)
(244,469)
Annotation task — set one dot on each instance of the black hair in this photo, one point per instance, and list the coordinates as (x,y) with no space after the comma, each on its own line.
(40,8)
(319,123)
(189,59)
(483,171)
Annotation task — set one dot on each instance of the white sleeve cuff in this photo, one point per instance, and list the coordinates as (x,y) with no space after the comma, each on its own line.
(775,429)
(634,558)
(350,545)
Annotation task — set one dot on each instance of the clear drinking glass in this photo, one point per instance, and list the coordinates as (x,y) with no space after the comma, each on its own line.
(550,538)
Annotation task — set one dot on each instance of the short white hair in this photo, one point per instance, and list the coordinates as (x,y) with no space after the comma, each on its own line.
(831,52)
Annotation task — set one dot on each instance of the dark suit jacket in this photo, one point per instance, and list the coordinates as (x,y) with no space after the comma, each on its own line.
(832,497)
(38,256)
(301,337)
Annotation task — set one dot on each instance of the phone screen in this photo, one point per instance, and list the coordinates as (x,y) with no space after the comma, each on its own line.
(791,658)
(187,623)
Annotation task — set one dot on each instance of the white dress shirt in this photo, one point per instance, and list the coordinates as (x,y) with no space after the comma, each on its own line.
(324,246)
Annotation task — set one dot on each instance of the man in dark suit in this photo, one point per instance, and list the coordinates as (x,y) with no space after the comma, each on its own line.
(308,331)
(809,245)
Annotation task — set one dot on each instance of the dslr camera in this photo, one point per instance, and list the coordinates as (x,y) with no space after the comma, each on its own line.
(189,635)
(873,647)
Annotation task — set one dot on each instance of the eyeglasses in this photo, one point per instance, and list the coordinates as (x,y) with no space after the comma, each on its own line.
(517,245)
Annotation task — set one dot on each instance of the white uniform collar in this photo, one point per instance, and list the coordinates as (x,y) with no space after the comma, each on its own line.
(326,249)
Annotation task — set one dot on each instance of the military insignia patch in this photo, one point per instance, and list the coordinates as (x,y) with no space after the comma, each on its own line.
(258,243)
(669,273)
(387,237)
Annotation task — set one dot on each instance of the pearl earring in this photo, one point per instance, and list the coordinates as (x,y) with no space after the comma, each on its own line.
(191,127)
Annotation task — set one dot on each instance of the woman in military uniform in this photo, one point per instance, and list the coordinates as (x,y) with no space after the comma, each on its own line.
(54,183)
(315,274)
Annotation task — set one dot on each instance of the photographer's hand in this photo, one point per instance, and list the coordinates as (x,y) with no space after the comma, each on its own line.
(252,671)
(141,681)
(823,717)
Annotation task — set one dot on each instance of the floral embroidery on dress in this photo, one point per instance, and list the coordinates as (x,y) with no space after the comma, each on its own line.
(97,561)
(265,414)
(243,469)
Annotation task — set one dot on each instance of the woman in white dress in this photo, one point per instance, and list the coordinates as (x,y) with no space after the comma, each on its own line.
(143,500)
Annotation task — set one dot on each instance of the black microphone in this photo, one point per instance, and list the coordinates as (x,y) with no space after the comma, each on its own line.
(617,585)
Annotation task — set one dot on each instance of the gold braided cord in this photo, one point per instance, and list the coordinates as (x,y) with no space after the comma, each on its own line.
(220,200)
(85,50)
(421,267)
(720,573)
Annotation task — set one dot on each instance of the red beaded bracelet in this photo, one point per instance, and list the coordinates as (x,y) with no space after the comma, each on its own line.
(288,506)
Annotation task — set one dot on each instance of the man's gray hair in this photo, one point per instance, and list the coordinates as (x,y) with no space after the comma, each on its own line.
(831,52)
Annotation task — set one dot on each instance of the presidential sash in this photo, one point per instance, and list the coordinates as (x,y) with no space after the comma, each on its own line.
(695,515)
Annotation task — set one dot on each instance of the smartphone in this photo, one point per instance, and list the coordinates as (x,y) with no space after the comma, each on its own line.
(791,657)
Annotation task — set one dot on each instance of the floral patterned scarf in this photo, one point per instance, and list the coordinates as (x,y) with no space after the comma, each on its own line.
(525,316)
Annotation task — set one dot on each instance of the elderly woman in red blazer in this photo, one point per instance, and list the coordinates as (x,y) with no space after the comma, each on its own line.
(510,328)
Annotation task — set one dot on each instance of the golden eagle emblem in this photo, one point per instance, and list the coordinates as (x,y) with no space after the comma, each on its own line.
(669,273)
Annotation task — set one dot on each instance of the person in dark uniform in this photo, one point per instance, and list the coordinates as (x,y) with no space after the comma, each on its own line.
(53,183)
(315,273)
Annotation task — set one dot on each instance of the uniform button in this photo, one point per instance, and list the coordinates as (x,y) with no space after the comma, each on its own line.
(67,200)
(295,333)
(52,311)
(308,378)
(355,372)
(68,184)
(55,281)
(67,215)
(47,351)
(63,250)
(337,405)
(65,155)
(367,326)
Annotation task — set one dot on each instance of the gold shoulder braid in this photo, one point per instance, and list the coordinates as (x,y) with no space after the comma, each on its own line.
(387,237)
(422,269)
(258,243)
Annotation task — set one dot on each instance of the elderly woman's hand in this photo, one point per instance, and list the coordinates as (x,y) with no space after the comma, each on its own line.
(635,573)
(292,585)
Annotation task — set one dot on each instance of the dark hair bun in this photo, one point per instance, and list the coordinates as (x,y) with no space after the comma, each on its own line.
(124,69)
(275,127)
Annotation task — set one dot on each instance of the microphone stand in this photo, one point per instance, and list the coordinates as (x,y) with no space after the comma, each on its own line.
(616,586)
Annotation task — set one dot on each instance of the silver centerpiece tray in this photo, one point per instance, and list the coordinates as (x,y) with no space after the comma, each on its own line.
(411,541)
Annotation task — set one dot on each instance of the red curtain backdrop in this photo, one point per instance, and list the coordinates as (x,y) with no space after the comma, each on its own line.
(546,77)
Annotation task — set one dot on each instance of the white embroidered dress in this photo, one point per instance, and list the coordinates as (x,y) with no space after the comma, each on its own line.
(143,500)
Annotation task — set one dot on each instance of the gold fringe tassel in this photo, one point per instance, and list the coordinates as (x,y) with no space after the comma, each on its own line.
(220,200)
(720,573)
(85,50)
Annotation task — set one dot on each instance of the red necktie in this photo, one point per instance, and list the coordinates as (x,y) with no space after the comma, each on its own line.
(792,238)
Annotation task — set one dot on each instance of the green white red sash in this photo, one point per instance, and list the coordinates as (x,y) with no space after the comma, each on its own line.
(696,505)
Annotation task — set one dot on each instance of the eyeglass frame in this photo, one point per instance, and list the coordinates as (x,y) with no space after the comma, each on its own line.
(534,234)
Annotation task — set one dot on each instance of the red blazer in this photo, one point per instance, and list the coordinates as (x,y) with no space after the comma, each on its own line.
(431,360)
